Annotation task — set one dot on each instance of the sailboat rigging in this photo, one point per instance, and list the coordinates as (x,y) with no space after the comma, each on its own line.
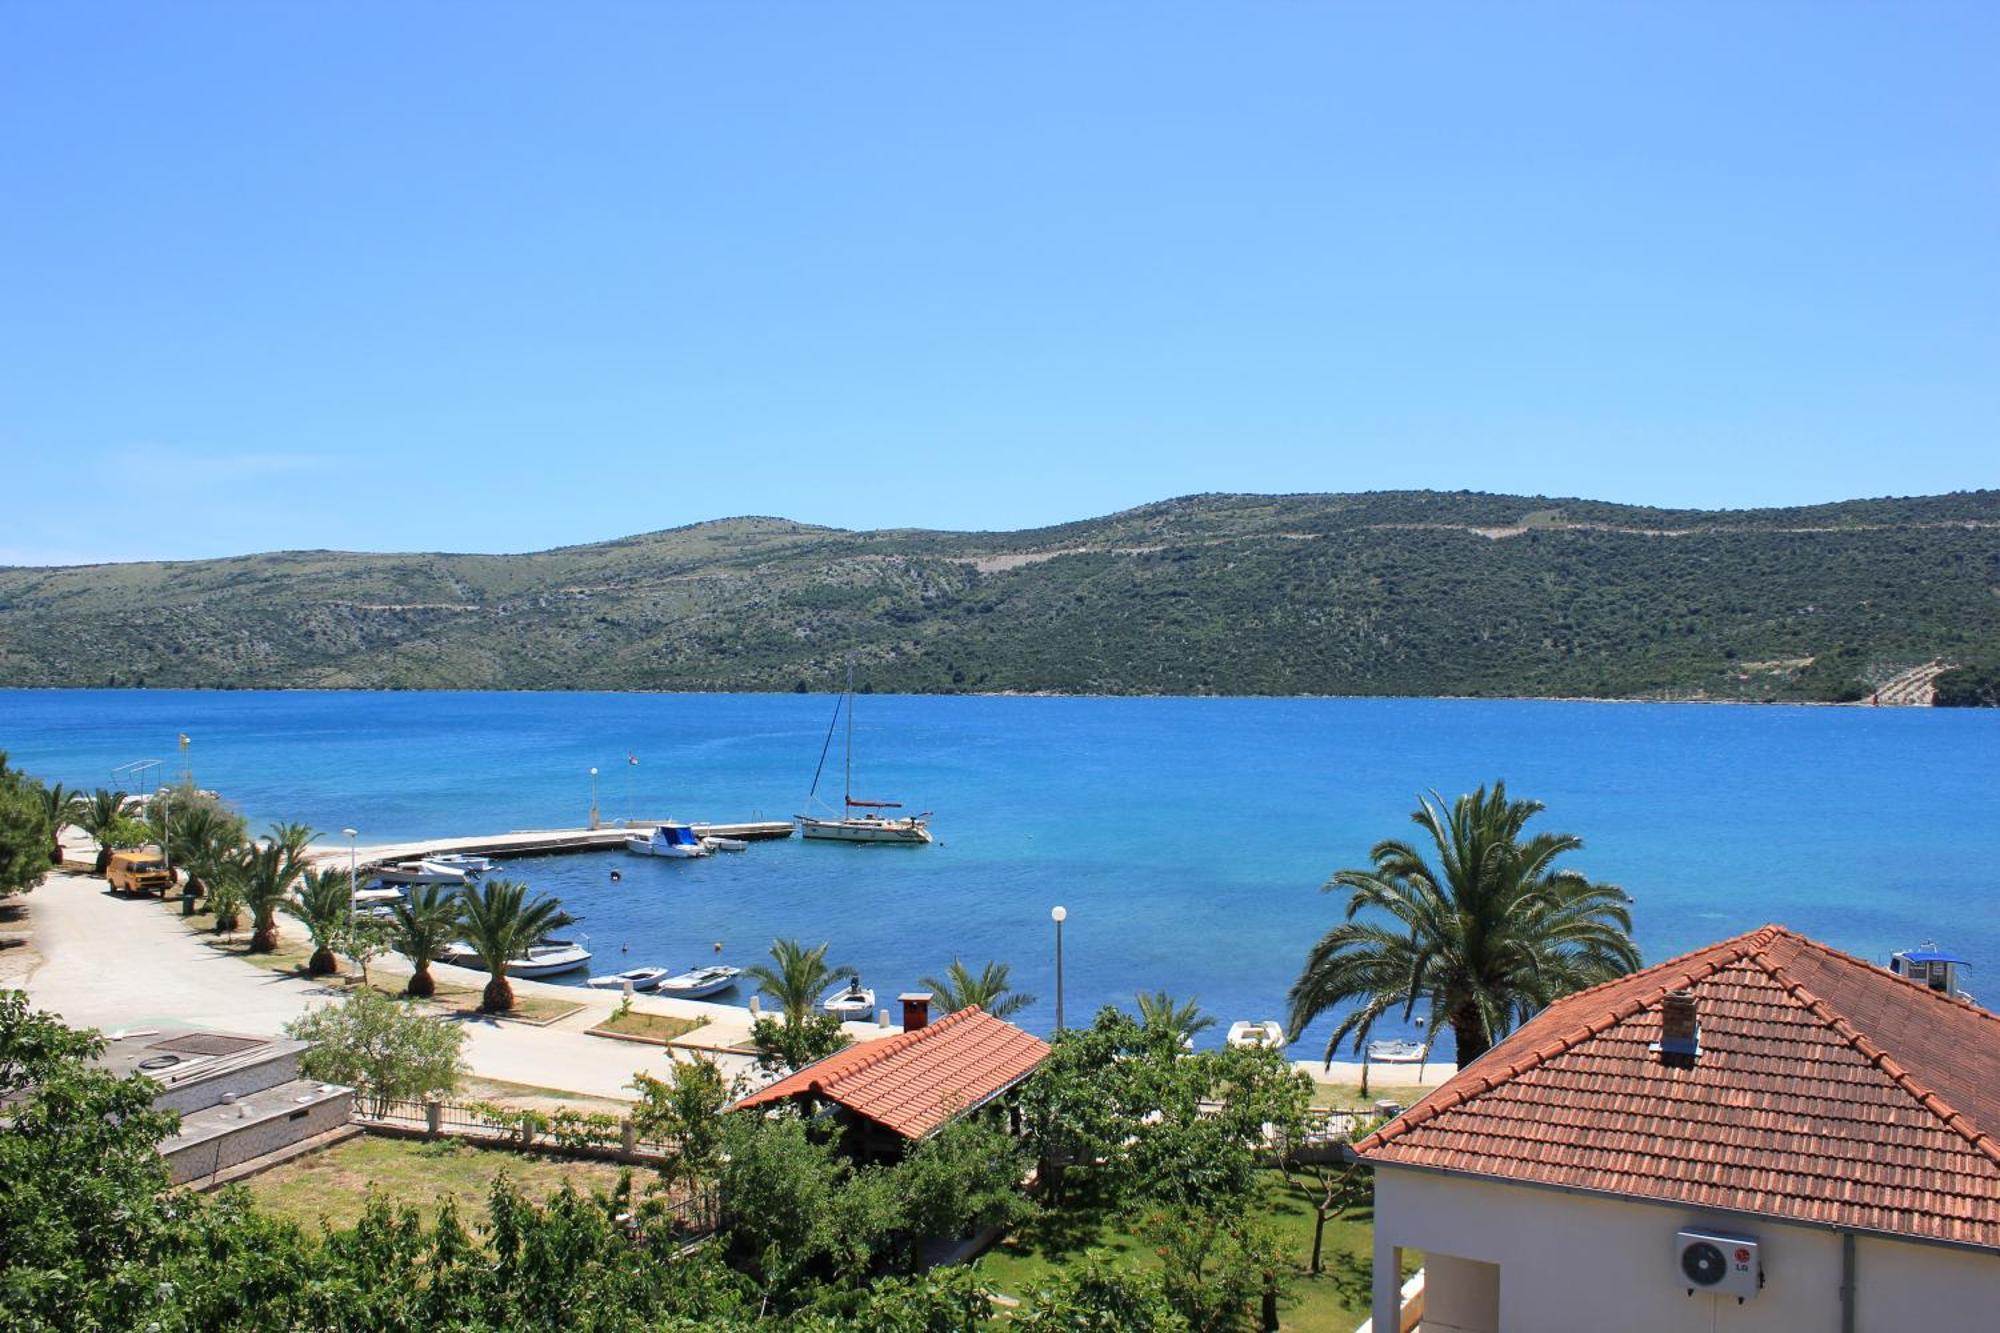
(849,826)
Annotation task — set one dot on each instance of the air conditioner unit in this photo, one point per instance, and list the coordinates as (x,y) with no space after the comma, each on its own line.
(1718,1262)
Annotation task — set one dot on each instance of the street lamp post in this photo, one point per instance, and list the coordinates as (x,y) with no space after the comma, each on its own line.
(353,881)
(593,798)
(1059,915)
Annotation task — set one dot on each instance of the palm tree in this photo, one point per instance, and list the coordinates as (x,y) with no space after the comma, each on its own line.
(1160,1012)
(1491,934)
(501,924)
(294,839)
(324,904)
(61,807)
(797,977)
(265,875)
(204,837)
(100,815)
(425,925)
(960,989)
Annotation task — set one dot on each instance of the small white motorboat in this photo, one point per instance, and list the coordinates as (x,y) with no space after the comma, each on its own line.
(464,861)
(640,978)
(716,843)
(700,982)
(850,1004)
(1269,1033)
(1931,966)
(675,840)
(422,872)
(1396,1052)
(383,897)
(550,958)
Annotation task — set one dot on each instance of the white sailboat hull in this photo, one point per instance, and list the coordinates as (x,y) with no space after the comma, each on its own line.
(865,830)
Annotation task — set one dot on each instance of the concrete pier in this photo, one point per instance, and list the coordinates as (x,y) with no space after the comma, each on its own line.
(535,842)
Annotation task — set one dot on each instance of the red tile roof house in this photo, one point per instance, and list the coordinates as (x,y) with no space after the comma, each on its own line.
(889,1093)
(1765,1119)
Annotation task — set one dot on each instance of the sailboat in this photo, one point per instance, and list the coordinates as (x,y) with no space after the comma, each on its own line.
(857,820)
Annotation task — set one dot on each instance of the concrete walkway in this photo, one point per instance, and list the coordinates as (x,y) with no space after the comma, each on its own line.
(110,962)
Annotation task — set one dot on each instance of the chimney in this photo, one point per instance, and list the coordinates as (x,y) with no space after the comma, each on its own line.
(916,1009)
(1680,1030)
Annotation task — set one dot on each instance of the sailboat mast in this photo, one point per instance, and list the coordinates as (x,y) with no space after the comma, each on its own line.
(847,801)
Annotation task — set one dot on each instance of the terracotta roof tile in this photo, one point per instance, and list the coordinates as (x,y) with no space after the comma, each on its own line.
(1828,1090)
(917,1081)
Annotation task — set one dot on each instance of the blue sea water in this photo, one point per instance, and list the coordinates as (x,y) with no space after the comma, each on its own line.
(1188,838)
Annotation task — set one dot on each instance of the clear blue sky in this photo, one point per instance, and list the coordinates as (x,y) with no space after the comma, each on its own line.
(487,277)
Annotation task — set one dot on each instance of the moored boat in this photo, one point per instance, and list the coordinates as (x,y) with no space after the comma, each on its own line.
(717,843)
(464,862)
(1269,1033)
(639,978)
(1930,966)
(851,1003)
(700,982)
(669,839)
(422,872)
(858,820)
(550,958)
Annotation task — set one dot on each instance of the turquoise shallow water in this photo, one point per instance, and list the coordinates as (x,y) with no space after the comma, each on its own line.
(1187,837)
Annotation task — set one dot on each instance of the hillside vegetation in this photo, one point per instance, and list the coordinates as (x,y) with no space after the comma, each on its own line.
(1389,593)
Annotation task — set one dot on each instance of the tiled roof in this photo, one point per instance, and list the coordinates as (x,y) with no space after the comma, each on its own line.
(1828,1090)
(915,1082)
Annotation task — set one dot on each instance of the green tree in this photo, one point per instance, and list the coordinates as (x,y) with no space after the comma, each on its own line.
(424,925)
(1184,1020)
(391,1051)
(324,905)
(24,831)
(502,924)
(797,977)
(100,816)
(960,988)
(80,1178)
(60,808)
(205,835)
(684,1109)
(1099,1295)
(1493,932)
(782,1047)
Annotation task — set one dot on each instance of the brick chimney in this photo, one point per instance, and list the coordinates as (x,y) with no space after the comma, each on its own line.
(916,1010)
(1680,1030)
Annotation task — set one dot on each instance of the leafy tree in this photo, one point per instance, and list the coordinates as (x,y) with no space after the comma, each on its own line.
(1099,1295)
(24,831)
(80,1180)
(365,939)
(1212,1265)
(502,924)
(963,1178)
(388,1050)
(1328,1190)
(1185,1021)
(685,1109)
(60,808)
(1490,934)
(102,812)
(778,1188)
(325,905)
(782,1047)
(960,988)
(797,977)
(425,924)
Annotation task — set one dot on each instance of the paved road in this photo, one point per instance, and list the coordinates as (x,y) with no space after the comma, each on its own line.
(110,962)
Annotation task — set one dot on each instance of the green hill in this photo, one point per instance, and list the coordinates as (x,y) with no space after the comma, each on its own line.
(1388,593)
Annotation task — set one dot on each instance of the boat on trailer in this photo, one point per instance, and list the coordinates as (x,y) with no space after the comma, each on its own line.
(639,978)
(851,1003)
(668,839)
(857,820)
(701,982)
(1269,1032)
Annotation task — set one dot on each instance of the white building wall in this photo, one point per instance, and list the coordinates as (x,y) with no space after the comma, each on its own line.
(1573,1262)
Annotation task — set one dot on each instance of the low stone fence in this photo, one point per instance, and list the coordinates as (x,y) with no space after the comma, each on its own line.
(566,1132)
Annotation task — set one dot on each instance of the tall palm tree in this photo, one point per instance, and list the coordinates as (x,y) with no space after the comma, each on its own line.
(1184,1021)
(204,837)
(324,903)
(61,807)
(797,977)
(265,874)
(502,924)
(424,926)
(959,988)
(100,815)
(294,839)
(1491,933)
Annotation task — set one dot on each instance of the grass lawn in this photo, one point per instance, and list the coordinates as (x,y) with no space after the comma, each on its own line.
(662,1028)
(334,1185)
(1333,1302)
(1347,1096)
